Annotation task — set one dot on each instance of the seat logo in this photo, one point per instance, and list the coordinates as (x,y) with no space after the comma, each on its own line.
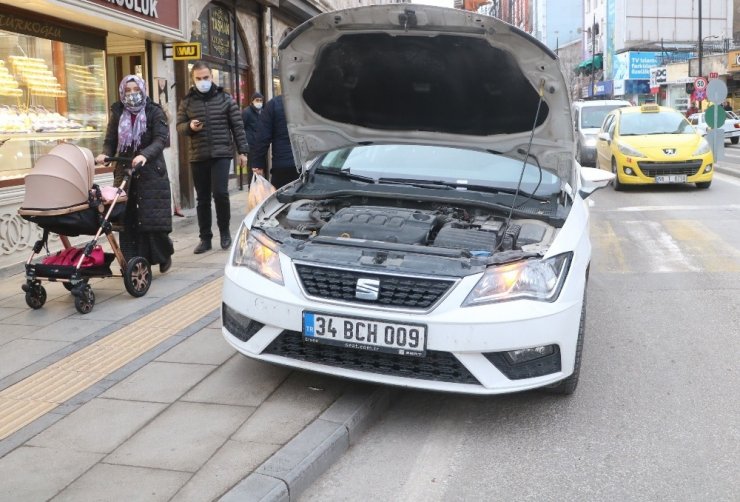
(367,289)
(669,151)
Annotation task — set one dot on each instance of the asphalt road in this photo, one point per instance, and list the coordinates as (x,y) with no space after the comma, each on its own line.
(655,416)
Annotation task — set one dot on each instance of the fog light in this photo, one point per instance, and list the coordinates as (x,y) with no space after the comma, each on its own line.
(708,168)
(628,171)
(523,355)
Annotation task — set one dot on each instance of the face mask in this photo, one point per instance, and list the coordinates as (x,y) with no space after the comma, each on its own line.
(203,85)
(258,106)
(133,99)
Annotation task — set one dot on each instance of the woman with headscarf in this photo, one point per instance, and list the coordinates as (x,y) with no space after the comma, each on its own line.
(138,130)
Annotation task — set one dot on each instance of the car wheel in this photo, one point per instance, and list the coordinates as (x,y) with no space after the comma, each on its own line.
(618,186)
(568,386)
(735,140)
(704,184)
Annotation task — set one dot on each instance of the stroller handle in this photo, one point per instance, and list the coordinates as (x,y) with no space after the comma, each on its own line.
(123,160)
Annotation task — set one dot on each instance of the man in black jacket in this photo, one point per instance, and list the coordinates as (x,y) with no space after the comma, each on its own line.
(211,119)
(273,129)
(251,117)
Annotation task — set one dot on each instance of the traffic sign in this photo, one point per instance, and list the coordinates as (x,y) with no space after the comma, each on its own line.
(700,83)
(716,91)
(715,116)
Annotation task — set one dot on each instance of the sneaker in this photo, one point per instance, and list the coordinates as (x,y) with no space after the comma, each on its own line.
(164,267)
(202,247)
(225,241)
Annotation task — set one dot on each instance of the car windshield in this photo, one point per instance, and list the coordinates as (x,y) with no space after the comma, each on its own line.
(638,124)
(436,164)
(593,116)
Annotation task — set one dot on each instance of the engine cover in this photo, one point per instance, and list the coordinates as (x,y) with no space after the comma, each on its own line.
(386,224)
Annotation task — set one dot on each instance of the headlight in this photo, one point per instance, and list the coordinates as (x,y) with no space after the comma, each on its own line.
(703,148)
(590,141)
(533,279)
(629,151)
(257,252)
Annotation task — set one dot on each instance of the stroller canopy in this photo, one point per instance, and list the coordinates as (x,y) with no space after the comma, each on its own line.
(61,178)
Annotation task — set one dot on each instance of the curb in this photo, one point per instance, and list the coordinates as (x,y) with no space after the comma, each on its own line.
(301,461)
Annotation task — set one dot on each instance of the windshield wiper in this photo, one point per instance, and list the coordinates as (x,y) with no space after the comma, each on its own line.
(345,173)
(453,185)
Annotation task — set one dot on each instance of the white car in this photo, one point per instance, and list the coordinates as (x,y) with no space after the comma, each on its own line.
(731,125)
(435,239)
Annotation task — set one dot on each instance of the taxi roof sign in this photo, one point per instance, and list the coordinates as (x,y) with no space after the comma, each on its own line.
(185,51)
(650,108)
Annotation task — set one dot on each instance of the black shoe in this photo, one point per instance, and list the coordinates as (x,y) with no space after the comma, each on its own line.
(225,241)
(164,267)
(202,247)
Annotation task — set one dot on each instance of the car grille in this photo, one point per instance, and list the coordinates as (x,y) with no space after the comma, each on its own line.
(395,291)
(653,169)
(437,366)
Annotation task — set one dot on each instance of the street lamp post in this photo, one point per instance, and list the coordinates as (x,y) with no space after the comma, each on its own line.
(701,42)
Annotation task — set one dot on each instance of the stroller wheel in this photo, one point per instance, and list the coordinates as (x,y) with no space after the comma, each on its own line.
(36,296)
(138,276)
(68,286)
(84,299)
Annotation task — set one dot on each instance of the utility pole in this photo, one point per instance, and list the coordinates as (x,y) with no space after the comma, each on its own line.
(593,55)
(701,43)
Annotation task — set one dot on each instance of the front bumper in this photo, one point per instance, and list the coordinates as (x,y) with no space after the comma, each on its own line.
(263,320)
(644,171)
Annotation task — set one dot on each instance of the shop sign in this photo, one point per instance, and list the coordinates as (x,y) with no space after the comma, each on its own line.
(603,88)
(733,60)
(164,12)
(220,33)
(619,87)
(36,26)
(186,51)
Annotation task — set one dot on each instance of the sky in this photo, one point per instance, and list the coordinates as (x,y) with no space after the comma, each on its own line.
(440,3)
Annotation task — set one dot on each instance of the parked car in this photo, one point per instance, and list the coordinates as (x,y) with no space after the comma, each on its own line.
(653,144)
(434,239)
(731,125)
(587,119)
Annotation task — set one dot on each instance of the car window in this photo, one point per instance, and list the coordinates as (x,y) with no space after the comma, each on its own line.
(612,125)
(593,116)
(638,124)
(607,123)
(422,162)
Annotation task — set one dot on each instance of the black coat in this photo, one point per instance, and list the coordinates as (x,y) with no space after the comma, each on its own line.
(273,129)
(251,117)
(222,124)
(149,207)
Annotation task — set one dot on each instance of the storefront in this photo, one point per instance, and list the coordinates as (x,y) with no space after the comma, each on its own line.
(58,79)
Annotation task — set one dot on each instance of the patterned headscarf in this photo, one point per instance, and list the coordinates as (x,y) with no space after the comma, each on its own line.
(130,131)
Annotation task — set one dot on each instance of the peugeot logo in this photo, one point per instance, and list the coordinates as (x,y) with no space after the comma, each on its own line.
(669,151)
(367,289)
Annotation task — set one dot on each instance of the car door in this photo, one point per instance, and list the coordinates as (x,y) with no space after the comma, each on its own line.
(603,144)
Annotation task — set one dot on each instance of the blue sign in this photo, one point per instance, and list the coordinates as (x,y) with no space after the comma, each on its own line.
(604,88)
(637,86)
(635,65)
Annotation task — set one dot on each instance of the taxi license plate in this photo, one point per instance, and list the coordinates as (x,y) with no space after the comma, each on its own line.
(671,178)
(365,334)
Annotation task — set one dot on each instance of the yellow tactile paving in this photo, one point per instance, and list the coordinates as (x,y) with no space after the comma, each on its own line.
(31,398)
(708,248)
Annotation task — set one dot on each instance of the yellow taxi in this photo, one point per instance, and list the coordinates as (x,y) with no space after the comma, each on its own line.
(649,144)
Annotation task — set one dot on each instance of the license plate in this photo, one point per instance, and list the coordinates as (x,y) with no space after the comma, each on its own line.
(671,178)
(365,334)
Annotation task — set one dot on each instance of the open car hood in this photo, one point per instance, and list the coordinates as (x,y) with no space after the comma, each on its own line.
(402,73)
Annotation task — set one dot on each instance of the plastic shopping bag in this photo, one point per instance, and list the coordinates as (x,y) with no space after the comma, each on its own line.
(259,190)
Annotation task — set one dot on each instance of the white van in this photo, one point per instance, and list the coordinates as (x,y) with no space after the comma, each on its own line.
(587,119)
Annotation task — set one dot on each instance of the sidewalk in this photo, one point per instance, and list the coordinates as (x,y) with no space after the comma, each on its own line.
(142,399)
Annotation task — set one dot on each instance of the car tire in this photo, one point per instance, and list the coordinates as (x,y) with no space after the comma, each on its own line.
(735,140)
(568,386)
(618,186)
(704,184)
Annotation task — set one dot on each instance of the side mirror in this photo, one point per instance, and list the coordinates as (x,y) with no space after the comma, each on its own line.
(593,179)
(604,136)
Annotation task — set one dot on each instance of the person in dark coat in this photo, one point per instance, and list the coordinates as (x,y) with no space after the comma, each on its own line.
(273,130)
(250,117)
(138,130)
(212,121)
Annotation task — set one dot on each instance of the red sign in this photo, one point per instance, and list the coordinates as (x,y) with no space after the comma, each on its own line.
(713,74)
(163,12)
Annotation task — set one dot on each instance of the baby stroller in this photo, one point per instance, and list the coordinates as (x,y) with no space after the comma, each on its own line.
(62,199)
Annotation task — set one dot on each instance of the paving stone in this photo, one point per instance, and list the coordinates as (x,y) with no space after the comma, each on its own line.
(205,347)
(182,438)
(98,426)
(290,408)
(106,482)
(12,332)
(52,312)
(172,381)
(258,487)
(240,381)
(69,329)
(226,468)
(119,307)
(21,352)
(33,473)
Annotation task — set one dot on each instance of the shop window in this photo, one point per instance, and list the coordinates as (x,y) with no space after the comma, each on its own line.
(50,92)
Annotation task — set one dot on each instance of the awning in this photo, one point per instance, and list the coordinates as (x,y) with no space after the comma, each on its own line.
(596,62)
